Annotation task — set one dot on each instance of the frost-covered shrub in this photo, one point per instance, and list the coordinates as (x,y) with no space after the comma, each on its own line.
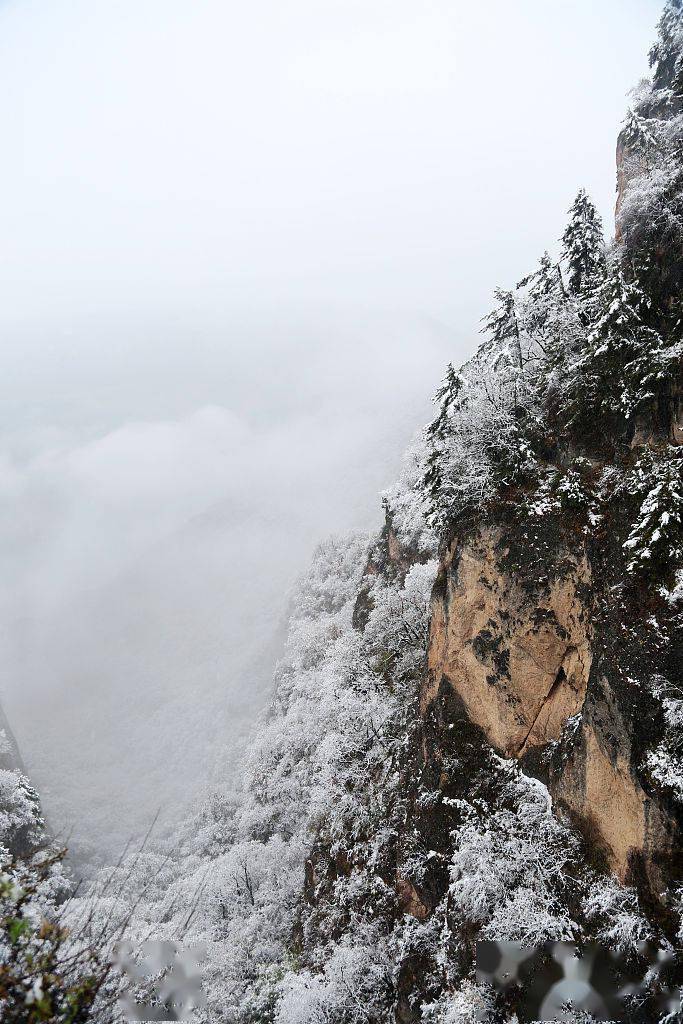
(467,1005)
(510,871)
(407,502)
(614,912)
(47,973)
(349,989)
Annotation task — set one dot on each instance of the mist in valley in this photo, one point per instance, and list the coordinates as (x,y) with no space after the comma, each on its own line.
(241,244)
(149,553)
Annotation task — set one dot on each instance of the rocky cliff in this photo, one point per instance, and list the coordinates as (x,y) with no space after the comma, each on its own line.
(540,630)
(528,660)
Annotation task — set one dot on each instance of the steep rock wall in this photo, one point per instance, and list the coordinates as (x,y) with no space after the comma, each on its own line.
(521,659)
(594,781)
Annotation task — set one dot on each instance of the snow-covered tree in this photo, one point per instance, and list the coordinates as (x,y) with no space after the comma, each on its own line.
(22,826)
(552,327)
(624,357)
(641,136)
(650,215)
(450,398)
(407,499)
(482,443)
(614,912)
(510,874)
(583,246)
(655,543)
(665,54)
(503,327)
(546,280)
(665,761)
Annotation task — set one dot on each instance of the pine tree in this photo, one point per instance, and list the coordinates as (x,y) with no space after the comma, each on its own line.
(638,133)
(666,56)
(623,308)
(543,311)
(503,324)
(451,399)
(545,281)
(655,543)
(584,246)
(623,348)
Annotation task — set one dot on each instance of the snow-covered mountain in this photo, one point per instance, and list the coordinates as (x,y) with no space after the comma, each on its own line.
(476,730)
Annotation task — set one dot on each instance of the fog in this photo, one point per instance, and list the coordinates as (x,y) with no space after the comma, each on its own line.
(158,504)
(240,242)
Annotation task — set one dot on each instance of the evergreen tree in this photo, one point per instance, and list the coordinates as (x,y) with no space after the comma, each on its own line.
(503,323)
(545,304)
(451,400)
(666,56)
(584,246)
(545,281)
(617,371)
(655,543)
(638,133)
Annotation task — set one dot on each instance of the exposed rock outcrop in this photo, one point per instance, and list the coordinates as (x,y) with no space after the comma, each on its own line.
(518,660)
(597,785)
(520,657)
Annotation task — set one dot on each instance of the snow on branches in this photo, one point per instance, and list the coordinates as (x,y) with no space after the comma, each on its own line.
(655,543)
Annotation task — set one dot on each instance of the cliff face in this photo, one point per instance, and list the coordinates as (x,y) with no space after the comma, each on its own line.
(542,634)
(519,659)
(523,658)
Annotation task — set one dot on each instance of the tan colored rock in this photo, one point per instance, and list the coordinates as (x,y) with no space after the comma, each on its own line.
(665,411)
(601,792)
(604,794)
(520,665)
(519,660)
(409,901)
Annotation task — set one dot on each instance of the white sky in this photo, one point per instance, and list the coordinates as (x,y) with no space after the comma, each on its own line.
(240,241)
(180,153)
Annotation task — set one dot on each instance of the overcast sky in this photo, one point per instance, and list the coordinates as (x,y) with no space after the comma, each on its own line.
(192,154)
(239,243)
